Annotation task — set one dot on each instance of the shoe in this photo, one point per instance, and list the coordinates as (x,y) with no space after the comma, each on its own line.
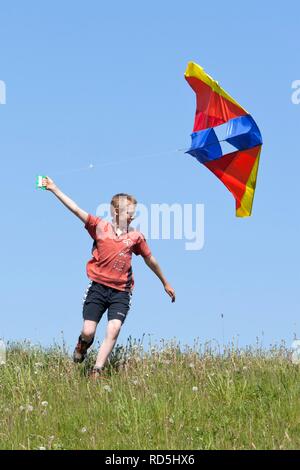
(81,349)
(97,373)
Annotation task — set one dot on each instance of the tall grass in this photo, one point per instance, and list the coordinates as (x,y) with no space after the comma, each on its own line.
(166,397)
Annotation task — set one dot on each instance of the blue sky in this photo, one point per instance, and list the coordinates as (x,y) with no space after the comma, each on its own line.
(93,82)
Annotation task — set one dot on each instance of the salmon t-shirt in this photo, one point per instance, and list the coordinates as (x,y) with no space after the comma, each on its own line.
(111,262)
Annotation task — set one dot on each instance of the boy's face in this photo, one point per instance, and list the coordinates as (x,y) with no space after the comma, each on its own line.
(124,213)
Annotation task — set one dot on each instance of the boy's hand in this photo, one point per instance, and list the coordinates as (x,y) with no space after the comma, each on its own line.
(49,183)
(170,291)
(153,264)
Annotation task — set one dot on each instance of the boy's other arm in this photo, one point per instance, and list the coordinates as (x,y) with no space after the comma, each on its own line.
(154,266)
(71,205)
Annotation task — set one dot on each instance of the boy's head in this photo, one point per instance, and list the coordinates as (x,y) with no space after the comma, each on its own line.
(122,208)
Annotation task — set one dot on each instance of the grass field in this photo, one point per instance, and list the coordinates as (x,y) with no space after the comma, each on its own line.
(168,397)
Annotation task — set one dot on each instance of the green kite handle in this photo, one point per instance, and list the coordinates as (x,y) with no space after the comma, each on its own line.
(39,182)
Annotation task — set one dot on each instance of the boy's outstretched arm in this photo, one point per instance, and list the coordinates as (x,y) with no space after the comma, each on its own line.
(71,205)
(154,266)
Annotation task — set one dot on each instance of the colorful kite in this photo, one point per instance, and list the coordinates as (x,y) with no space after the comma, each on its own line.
(225,138)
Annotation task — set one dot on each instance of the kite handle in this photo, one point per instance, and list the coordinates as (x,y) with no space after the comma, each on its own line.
(39,182)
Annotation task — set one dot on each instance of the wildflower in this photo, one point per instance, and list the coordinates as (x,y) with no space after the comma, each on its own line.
(195,389)
(44,403)
(107,388)
(83,430)
(171,420)
(26,408)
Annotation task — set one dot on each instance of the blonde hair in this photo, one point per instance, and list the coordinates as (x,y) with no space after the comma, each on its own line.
(116,199)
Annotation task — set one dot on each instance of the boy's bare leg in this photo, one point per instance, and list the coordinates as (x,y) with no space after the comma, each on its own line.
(112,333)
(88,330)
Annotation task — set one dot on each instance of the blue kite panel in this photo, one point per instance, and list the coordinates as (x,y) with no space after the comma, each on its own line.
(205,146)
(240,133)
(243,133)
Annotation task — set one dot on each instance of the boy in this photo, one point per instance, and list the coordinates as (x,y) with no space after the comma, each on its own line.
(109,271)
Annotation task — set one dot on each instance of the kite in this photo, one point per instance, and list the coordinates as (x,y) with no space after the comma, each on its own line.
(225,138)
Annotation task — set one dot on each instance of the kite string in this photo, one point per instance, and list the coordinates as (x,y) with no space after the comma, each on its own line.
(91,166)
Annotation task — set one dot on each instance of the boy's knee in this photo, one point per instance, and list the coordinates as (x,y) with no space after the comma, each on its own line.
(88,334)
(88,330)
(114,328)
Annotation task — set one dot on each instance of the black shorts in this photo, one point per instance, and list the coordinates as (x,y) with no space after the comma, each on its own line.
(99,298)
